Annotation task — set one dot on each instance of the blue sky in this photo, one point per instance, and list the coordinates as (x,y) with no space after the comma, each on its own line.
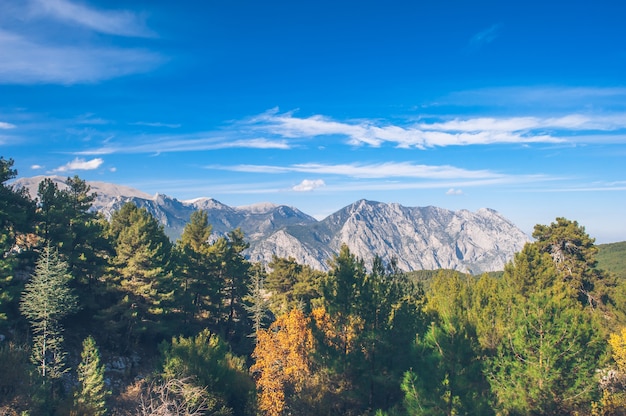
(518,106)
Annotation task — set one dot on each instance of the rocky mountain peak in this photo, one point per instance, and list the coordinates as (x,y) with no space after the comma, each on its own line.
(417,237)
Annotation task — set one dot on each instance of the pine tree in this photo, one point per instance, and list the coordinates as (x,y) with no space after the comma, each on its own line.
(547,360)
(197,290)
(90,397)
(231,269)
(574,255)
(291,284)
(257,304)
(447,375)
(46,300)
(16,217)
(140,278)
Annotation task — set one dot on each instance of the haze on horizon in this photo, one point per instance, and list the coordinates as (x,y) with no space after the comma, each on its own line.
(515,106)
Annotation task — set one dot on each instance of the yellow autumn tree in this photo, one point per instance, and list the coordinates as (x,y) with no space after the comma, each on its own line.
(613,382)
(282,365)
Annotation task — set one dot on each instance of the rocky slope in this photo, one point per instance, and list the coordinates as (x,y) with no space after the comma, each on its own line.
(418,237)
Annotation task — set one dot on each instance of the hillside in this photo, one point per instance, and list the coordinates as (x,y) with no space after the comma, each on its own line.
(612,257)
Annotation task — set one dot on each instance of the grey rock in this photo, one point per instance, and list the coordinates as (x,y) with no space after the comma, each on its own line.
(418,237)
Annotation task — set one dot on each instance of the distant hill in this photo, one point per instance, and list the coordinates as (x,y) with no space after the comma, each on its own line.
(612,258)
(420,238)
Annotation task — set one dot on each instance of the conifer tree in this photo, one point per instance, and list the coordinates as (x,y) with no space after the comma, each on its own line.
(256,301)
(90,397)
(197,290)
(46,300)
(17,212)
(140,278)
(548,358)
(66,223)
(231,269)
(447,376)
(574,255)
(291,284)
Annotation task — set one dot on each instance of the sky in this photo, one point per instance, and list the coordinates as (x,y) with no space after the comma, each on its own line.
(518,106)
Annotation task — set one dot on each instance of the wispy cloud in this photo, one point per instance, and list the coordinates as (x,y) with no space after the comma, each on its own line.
(156,124)
(112,22)
(484,37)
(28,62)
(80,164)
(370,171)
(183,143)
(439,133)
(31,55)
(309,185)
(6,126)
(547,99)
(371,132)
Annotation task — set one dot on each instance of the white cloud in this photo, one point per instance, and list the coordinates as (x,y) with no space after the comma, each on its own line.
(453,191)
(440,133)
(36,167)
(309,185)
(80,164)
(422,135)
(28,62)
(185,143)
(121,23)
(6,126)
(371,171)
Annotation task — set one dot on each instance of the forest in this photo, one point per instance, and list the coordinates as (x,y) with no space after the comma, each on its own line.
(110,317)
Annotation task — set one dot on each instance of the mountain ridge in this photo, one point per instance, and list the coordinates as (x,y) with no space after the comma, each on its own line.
(416,237)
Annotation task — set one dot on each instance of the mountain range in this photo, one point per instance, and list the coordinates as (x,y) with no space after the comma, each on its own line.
(418,237)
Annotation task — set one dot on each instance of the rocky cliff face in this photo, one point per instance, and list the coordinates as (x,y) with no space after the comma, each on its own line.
(418,237)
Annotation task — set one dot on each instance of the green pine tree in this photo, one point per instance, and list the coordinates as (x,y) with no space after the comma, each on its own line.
(16,218)
(256,301)
(197,288)
(46,300)
(140,279)
(551,348)
(90,397)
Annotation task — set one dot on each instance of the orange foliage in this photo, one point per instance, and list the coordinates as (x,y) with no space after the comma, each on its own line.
(340,334)
(282,362)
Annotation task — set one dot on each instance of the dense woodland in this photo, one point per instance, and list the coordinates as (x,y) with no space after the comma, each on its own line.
(110,317)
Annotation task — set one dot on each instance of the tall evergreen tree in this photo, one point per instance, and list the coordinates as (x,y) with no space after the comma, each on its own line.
(16,220)
(197,290)
(140,277)
(66,223)
(46,300)
(291,284)
(447,374)
(546,362)
(256,300)
(574,255)
(91,394)
(232,271)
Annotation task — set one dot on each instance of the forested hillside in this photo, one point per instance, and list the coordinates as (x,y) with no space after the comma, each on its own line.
(110,317)
(612,258)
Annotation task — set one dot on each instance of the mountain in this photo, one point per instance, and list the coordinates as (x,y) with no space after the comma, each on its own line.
(418,237)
